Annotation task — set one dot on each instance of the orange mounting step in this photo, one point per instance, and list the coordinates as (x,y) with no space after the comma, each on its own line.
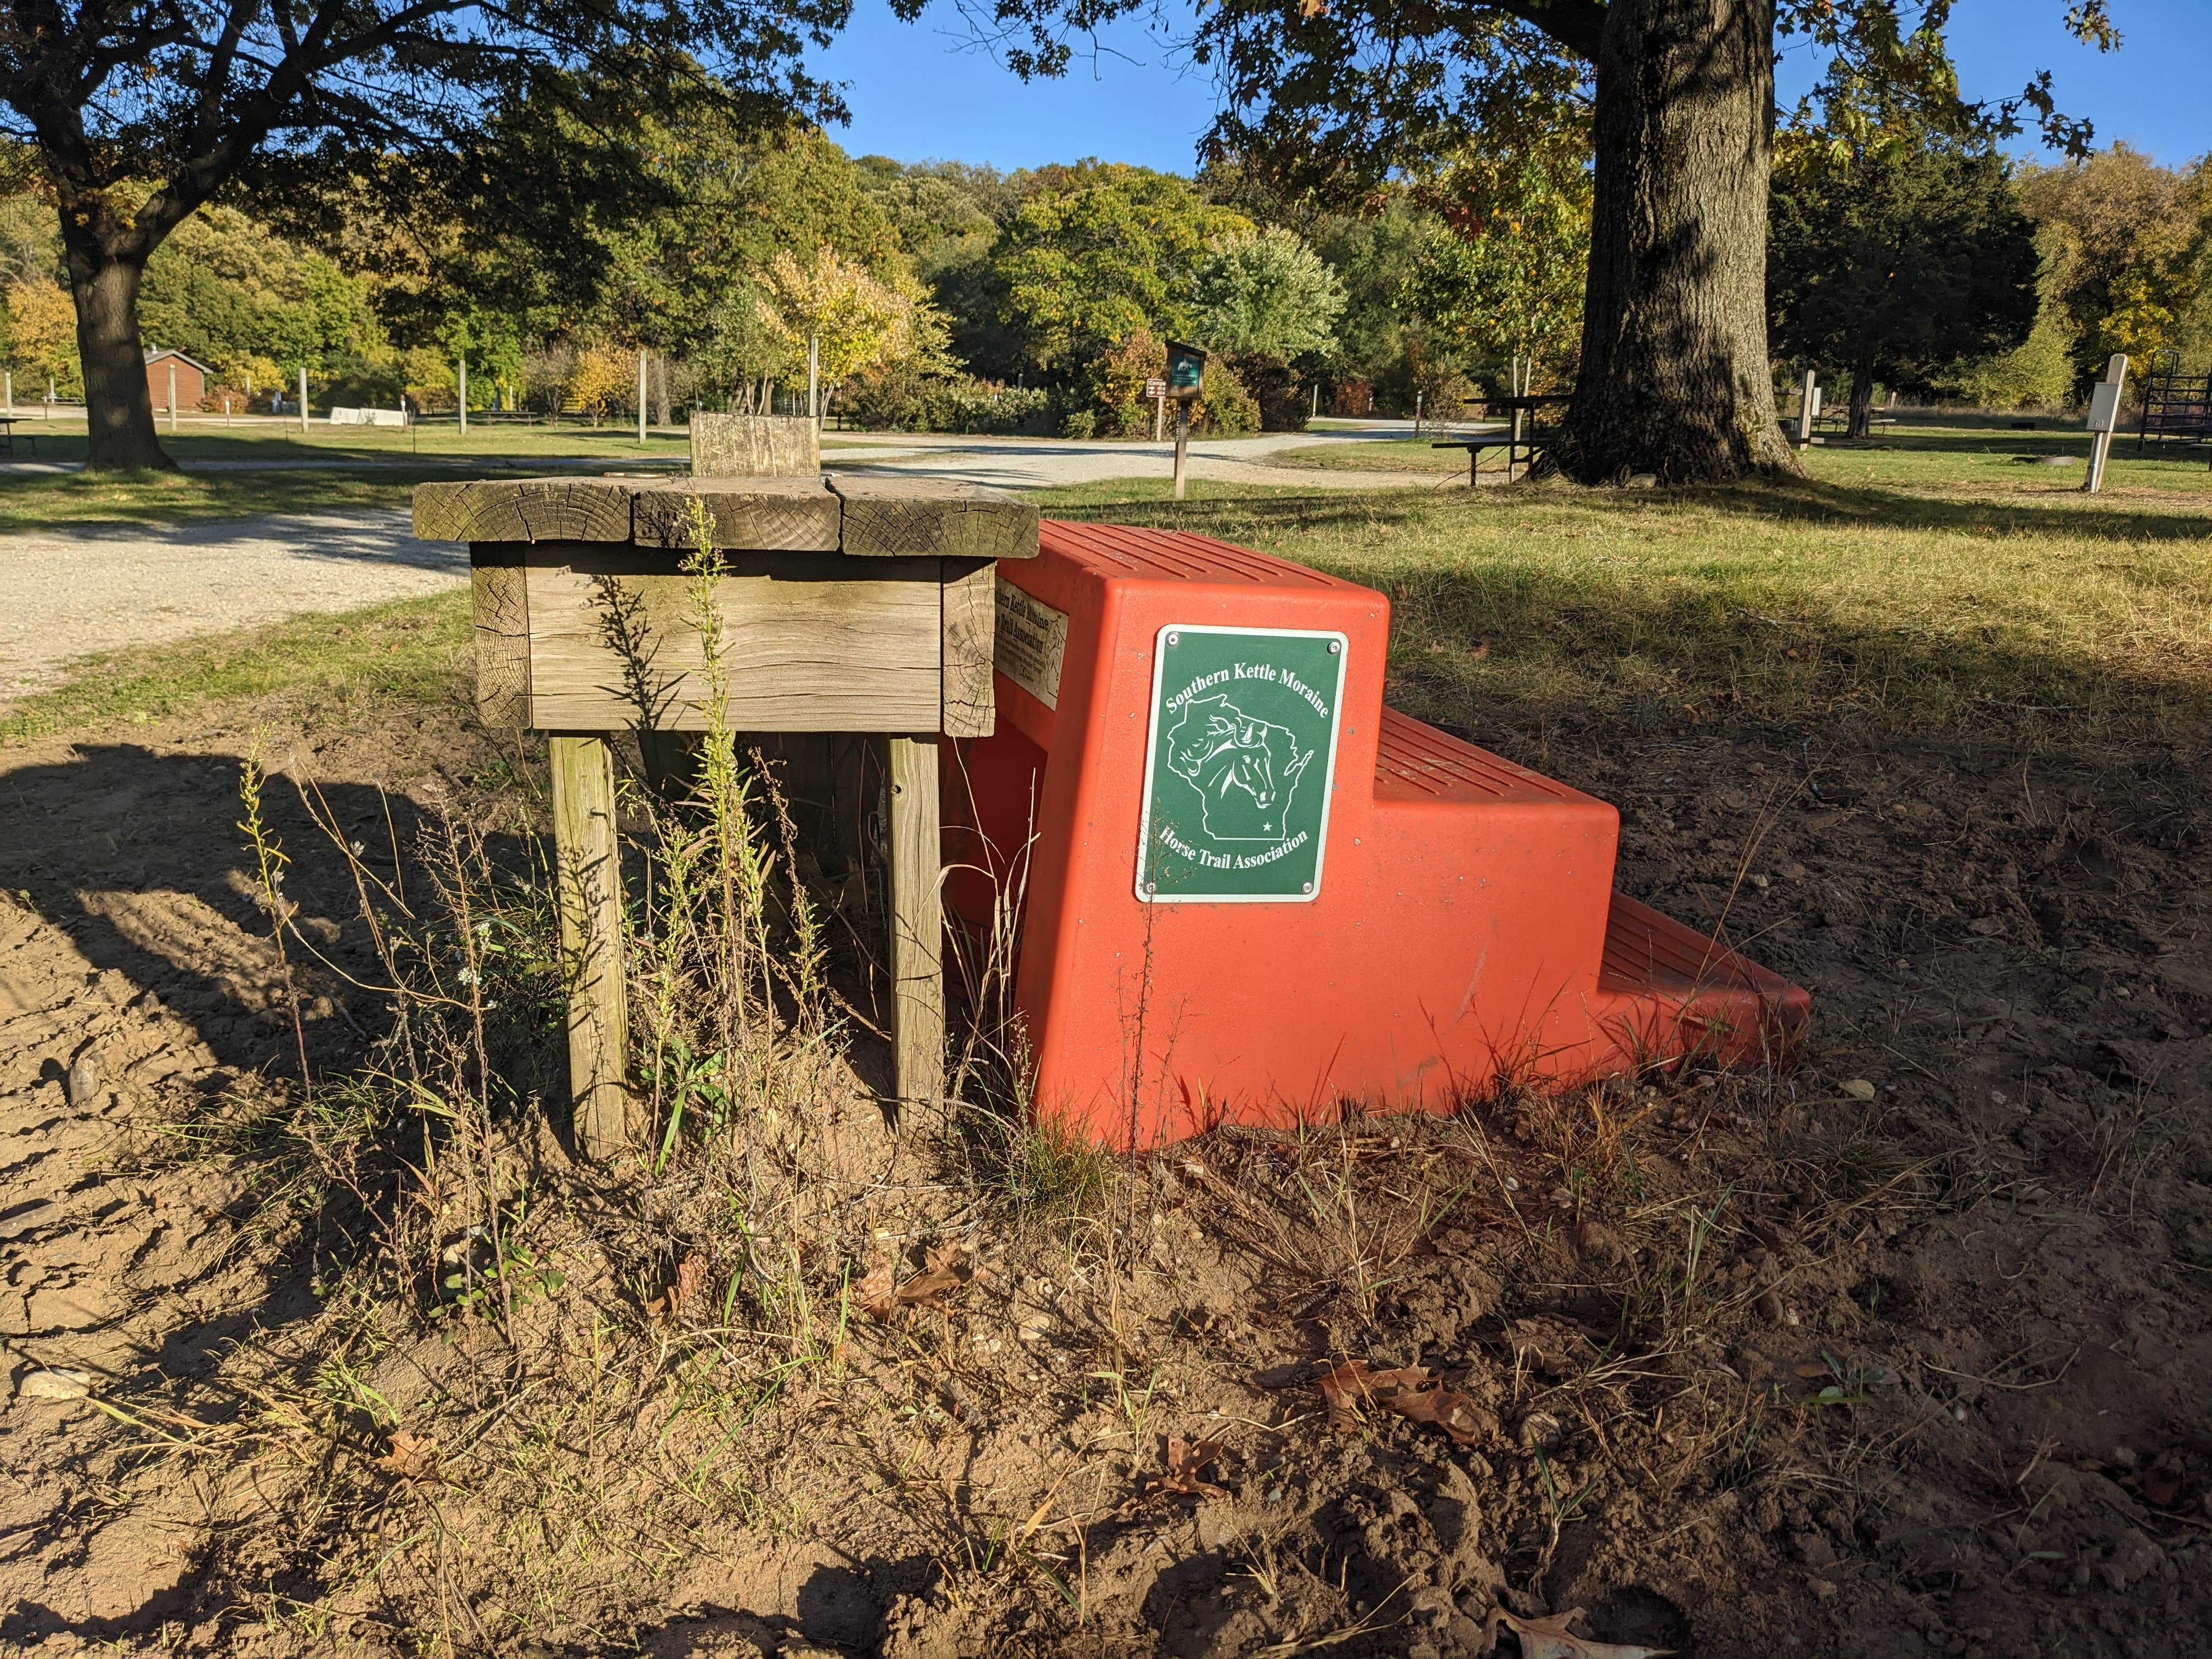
(1247,893)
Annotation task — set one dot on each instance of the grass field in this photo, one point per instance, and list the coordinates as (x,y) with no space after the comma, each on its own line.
(1937,583)
(268,467)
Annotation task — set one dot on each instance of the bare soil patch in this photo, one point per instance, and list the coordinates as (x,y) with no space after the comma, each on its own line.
(1900,1353)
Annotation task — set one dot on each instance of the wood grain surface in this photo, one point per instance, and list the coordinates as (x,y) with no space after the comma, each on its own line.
(728,446)
(756,514)
(905,517)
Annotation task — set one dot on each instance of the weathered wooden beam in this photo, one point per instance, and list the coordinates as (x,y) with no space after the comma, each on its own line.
(588,881)
(905,517)
(731,446)
(756,514)
(524,510)
(917,908)
(502,633)
(812,642)
(970,588)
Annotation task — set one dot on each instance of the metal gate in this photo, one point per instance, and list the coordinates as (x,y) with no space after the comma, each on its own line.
(2175,405)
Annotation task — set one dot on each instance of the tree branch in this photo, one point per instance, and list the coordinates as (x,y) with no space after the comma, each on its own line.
(1577,25)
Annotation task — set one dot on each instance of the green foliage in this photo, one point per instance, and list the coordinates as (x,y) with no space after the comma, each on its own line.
(1099,250)
(1265,293)
(1895,262)
(1500,273)
(2128,248)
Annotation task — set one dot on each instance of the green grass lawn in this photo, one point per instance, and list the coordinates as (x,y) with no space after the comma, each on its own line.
(332,468)
(1380,455)
(1934,585)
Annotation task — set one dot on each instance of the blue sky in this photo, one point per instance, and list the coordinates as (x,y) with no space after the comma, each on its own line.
(920,91)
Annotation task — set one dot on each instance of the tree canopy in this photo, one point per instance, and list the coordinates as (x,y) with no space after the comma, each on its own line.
(1896,262)
(142,112)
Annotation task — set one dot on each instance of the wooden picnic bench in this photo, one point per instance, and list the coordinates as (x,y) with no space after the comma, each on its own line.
(8,434)
(1520,442)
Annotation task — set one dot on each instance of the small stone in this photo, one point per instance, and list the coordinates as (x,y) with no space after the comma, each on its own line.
(83,1081)
(60,1383)
(1822,1589)
(1034,1329)
(1859,1089)
(1644,481)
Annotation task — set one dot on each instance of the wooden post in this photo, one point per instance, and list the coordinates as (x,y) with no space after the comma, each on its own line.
(589,875)
(172,400)
(2105,419)
(641,394)
(1805,409)
(465,394)
(303,400)
(1183,444)
(917,922)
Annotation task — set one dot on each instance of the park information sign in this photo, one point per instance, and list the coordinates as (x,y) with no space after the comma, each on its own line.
(1240,764)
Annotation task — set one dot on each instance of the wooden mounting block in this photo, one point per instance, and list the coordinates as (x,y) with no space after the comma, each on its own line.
(846,605)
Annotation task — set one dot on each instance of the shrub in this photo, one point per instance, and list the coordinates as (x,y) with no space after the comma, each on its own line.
(1227,410)
(1081,424)
(901,398)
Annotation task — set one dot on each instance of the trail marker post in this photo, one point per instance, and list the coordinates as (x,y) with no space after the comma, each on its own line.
(463,400)
(1808,408)
(2105,418)
(1186,384)
(172,400)
(303,400)
(1156,389)
(641,394)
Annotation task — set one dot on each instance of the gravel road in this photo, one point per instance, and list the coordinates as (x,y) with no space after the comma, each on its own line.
(72,593)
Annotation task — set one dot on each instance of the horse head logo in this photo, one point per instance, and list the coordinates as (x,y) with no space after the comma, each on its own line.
(1243,768)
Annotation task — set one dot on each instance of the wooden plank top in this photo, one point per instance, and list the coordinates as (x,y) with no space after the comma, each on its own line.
(872,517)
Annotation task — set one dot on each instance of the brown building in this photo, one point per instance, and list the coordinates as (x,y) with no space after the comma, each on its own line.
(191,378)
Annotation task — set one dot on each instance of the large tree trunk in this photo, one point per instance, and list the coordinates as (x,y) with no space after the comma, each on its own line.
(118,405)
(1675,378)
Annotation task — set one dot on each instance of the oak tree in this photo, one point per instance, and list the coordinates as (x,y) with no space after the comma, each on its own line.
(1674,376)
(140,112)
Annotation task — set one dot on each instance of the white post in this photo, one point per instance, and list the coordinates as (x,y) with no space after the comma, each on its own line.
(11,391)
(1316,402)
(225,409)
(641,394)
(1806,408)
(465,394)
(1159,416)
(173,399)
(303,400)
(1182,442)
(814,379)
(1417,412)
(2104,419)
(50,396)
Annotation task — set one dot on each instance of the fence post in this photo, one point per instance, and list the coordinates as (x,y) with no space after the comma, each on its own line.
(641,394)
(465,394)
(303,400)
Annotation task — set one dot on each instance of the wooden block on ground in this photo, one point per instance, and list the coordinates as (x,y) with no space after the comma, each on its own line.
(588,880)
(970,591)
(904,517)
(732,446)
(917,922)
(502,633)
(752,514)
(812,642)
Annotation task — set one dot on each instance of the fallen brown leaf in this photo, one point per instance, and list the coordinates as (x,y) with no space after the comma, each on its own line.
(1187,1461)
(1412,1391)
(412,1456)
(1549,1638)
(879,1298)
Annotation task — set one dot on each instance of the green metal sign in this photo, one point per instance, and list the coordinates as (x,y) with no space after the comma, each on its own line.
(1241,761)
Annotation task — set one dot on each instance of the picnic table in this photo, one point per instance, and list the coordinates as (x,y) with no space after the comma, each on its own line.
(8,434)
(1517,437)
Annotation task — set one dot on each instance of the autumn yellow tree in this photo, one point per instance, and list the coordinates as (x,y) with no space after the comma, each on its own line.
(861,322)
(603,376)
(42,335)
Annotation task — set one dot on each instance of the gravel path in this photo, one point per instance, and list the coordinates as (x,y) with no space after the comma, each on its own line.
(73,593)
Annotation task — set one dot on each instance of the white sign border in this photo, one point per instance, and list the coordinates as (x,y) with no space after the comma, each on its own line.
(1343,655)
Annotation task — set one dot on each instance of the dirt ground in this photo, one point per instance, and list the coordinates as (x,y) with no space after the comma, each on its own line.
(1902,1352)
